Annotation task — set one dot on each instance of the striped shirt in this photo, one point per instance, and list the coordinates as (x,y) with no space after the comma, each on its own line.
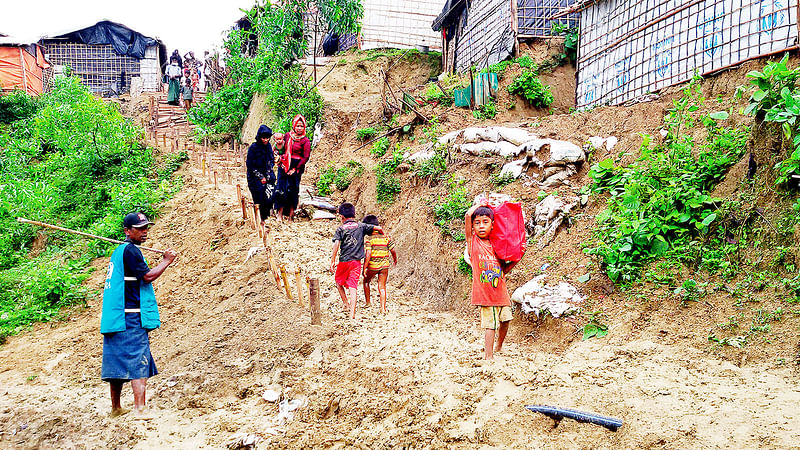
(380,247)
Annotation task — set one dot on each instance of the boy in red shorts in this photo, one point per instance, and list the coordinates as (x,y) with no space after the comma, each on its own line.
(349,245)
(488,278)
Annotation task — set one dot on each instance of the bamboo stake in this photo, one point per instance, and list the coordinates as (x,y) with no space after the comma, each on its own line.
(313,299)
(244,208)
(215,180)
(286,282)
(257,220)
(254,223)
(264,234)
(239,192)
(203,163)
(299,287)
(80,233)
(273,268)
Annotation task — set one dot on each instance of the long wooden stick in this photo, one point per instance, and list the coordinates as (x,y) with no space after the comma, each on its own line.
(300,285)
(286,282)
(316,316)
(80,233)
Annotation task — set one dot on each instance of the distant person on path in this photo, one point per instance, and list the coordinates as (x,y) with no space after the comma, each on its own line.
(173,78)
(488,278)
(293,162)
(187,93)
(260,177)
(349,245)
(129,313)
(177,55)
(377,262)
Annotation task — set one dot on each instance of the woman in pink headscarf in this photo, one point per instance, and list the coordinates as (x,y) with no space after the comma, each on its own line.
(291,166)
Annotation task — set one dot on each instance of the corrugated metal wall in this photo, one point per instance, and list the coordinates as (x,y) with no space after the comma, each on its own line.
(484,35)
(400,24)
(629,48)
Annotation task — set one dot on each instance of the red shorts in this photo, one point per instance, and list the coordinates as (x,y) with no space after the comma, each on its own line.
(347,273)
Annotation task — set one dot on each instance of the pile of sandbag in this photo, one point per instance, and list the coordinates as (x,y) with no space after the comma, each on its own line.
(548,217)
(538,298)
(555,168)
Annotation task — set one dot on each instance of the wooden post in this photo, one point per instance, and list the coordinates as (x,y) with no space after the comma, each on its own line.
(299,287)
(215,180)
(164,140)
(273,268)
(203,163)
(286,282)
(264,234)
(254,223)
(244,208)
(313,299)
(257,220)
(239,192)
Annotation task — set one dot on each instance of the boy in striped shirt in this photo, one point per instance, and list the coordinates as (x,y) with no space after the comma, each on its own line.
(377,261)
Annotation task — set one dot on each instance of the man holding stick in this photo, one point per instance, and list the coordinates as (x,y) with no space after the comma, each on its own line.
(130,311)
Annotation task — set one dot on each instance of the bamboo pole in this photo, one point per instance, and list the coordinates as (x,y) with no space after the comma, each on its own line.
(238,192)
(257,220)
(286,282)
(215,180)
(264,234)
(300,286)
(244,208)
(255,216)
(313,299)
(80,233)
(273,268)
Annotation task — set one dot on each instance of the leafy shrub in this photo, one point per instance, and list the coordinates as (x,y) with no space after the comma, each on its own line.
(570,40)
(364,134)
(661,203)
(434,166)
(16,105)
(434,94)
(449,211)
(326,180)
(485,111)
(528,85)
(502,180)
(345,175)
(74,161)
(380,147)
(463,267)
(387,185)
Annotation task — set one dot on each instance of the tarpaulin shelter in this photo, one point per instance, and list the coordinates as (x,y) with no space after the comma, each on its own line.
(21,65)
(484,32)
(629,48)
(108,57)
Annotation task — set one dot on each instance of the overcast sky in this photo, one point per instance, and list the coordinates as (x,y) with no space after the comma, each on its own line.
(186,25)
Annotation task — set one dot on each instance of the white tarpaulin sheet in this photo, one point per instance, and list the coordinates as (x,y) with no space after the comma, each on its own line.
(629,48)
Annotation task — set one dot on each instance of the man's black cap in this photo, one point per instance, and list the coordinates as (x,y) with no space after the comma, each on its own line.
(136,219)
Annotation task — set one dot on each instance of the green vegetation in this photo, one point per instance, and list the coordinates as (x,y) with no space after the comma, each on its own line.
(528,85)
(501,181)
(380,147)
(434,167)
(485,111)
(435,94)
(660,205)
(339,177)
(777,99)
(463,267)
(594,328)
(72,160)
(364,134)
(571,36)
(269,67)
(387,185)
(500,68)
(449,211)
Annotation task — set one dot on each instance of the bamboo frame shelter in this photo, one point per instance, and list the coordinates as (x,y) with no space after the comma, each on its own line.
(629,48)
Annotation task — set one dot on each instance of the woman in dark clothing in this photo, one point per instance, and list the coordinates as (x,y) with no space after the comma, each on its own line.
(260,177)
(293,164)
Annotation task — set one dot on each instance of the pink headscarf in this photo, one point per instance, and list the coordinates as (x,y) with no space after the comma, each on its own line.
(290,138)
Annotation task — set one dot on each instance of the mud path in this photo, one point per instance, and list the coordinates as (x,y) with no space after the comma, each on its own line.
(413,378)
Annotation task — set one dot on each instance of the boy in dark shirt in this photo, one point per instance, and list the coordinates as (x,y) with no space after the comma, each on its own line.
(349,245)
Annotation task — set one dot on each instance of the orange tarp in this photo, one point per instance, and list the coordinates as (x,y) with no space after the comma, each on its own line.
(21,70)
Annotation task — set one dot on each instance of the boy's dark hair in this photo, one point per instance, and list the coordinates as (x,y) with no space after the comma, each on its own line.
(482,211)
(371,219)
(347,210)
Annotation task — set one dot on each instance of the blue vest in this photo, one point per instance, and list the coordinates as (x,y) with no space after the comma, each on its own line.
(113,318)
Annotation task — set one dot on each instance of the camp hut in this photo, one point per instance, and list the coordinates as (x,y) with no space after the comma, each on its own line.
(109,57)
(21,65)
(629,48)
(387,24)
(484,32)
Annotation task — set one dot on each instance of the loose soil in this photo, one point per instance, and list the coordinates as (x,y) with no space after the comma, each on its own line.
(415,377)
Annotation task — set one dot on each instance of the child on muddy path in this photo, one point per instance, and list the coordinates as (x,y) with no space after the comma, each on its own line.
(488,278)
(349,245)
(377,262)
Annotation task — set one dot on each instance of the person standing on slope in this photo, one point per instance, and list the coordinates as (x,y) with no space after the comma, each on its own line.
(260,177)
(129,313)
(293,162)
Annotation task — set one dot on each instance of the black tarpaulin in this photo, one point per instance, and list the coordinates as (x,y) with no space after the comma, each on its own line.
(452,9)
(122,39)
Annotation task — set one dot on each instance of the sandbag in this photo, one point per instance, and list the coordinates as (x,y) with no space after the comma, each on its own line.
(508,236)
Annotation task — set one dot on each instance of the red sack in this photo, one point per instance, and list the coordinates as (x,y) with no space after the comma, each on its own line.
(508,235)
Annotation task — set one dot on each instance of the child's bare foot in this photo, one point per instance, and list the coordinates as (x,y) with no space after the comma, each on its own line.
(116,412)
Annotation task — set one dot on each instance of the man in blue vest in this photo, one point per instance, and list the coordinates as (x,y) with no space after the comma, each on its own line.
(130,311)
